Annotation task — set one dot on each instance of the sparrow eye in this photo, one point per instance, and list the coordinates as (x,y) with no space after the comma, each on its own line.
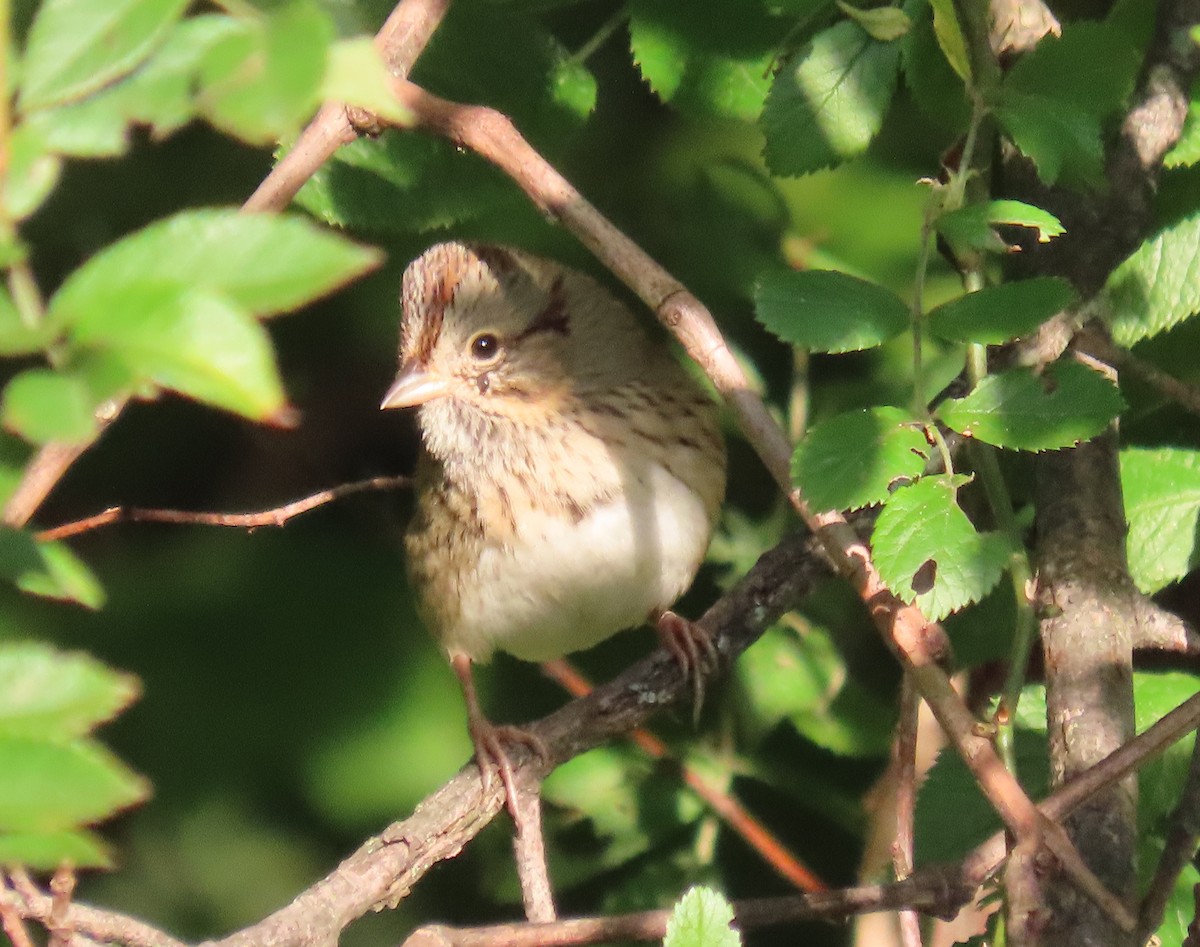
(485,346)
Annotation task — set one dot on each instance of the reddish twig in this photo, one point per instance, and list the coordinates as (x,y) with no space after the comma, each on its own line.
(11,920)
(731,812)
(906,802)
(529,850)
(276,516)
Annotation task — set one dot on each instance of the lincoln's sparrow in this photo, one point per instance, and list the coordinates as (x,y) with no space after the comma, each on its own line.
(572,470)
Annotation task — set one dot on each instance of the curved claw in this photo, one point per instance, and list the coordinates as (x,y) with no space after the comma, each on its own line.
(693,650)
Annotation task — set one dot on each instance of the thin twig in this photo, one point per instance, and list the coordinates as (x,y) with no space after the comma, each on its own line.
(529,850)
(1099,345)
(731,812)
(906,798)
(1180,848)
(276,516)
(11,919)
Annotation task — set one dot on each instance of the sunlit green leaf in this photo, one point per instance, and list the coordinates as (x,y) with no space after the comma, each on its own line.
(1001,313)
(928,552)
(17,338)
(881,23)
(950,37)
(827,103)
(32,173)
(1158,286)
(1024,410)
(702,918)
(357,76)
(44,405)
(826,311)
(857,458)
(1162,504)
(45,851)
(78,46)
(49,694)
(974,226)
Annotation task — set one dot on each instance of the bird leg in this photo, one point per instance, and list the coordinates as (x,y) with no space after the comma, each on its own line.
(692,648)
(489,740)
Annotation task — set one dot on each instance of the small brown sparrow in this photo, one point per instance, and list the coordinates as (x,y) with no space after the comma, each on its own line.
(572,470)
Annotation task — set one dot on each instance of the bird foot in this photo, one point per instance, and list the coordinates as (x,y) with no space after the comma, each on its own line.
(693,650)
(491,755)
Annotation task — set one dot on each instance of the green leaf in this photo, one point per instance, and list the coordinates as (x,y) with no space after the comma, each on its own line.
(43,405)
(706,59)
(405,184)
(48,569)
(1162,504)
(263,81)
(974,226)
(33,171)
(1055,98)
(1158,286)
(702,918)
(881,23)
(45,851)
(825,311)
(194,342)
(264,263)
(1186,151)
(858,458)
(61,785)
(1001,313)
(950,37)
(827,104)
(928,552)
(17,338)
(937,89)
(49,694)
(76,47)
(357,76)
(1023,410)
(802,678)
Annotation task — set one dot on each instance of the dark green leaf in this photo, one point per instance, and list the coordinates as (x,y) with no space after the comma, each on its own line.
(928,552)
(827,103)
(950,37)
(76,47)
(52,695)
(857,458)
(1158,286)
(264,263)
(1023,410)
(48,569)
(263,81)
(61,785)
(826,311)
(1001,313)
(707,59)
(45,851)
(937,89)
(974,226)
(1162,504)
(702,918)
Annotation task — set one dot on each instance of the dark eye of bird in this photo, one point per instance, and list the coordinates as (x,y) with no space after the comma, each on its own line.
(485,346)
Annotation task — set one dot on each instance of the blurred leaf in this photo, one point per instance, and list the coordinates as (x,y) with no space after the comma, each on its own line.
(404,184)
(826,311)
(706,59)
(858,458)
(937,89)
(33,171)
(1001,313)
(928,552)
(358,76)
(45,851)
(48,569)
(1158,286)
(1162,504)
(827,103)
(194,342)
(1054,99)
(1024,410)
(263,262)
(44,405)
(17,338)
(803,678)
(702,918)
(950,37)
(263,81)
(48,694)
(974,226)
(881,23)
(1186,150)
(60,785)
(76,47)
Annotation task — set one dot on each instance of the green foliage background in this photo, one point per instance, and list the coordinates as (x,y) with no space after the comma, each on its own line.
(291,703)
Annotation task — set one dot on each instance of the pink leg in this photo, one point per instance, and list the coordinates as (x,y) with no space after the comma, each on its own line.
(693,650)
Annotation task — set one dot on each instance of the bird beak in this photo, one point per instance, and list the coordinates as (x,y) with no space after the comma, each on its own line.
(415,385)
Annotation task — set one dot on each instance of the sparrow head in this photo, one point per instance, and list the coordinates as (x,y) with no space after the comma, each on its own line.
(499,331)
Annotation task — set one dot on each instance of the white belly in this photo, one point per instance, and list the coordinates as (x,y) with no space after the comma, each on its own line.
(562,586)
